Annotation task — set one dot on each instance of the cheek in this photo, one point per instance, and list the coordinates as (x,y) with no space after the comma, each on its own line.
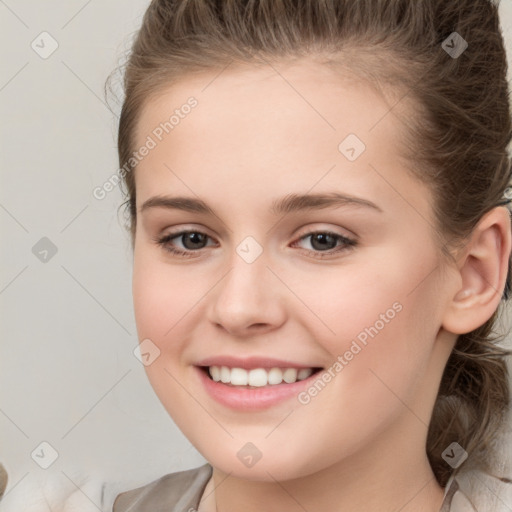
(161,295)
(381,318)
(161,301)
(153,304)
(341,302)
(168,306)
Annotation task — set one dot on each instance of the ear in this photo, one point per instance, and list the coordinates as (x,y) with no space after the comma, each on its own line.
(482,270)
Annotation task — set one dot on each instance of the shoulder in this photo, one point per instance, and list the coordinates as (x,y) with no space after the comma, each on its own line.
(455,500)
(175,491)
(476,491)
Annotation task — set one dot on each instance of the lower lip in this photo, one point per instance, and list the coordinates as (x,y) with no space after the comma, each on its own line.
(250,399)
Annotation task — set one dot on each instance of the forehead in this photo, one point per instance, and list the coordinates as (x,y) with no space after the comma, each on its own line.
(274,126)
(332,99)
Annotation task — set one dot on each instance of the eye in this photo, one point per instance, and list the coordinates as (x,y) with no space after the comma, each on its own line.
(192,241)
(325,243)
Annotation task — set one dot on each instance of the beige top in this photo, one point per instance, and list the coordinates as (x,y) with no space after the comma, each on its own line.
(182,492)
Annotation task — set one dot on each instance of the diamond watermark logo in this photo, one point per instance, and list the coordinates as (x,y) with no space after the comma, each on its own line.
(44,45)
(454,45)
(249,454)
(44,250)
(249,249)
(146,352)
(454,455)
(44,455)
(352,147)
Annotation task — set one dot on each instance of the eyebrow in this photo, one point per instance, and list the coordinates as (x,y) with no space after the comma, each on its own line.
(287,204)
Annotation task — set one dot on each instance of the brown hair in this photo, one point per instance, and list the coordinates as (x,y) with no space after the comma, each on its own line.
(458,144)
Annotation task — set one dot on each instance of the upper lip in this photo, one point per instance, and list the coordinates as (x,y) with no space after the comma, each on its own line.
(249,363)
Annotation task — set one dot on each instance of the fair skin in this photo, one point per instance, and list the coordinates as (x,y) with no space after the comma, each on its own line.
(252,139)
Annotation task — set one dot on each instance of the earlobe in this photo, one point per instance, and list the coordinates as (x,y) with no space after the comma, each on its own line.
(482,272)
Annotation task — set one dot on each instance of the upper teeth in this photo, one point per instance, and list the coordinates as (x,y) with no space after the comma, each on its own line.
(257,376)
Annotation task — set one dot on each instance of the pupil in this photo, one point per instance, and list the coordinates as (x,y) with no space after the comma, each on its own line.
(323,237)
(195,238)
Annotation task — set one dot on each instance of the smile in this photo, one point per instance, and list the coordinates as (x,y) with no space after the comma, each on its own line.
(272,385)
(258,377)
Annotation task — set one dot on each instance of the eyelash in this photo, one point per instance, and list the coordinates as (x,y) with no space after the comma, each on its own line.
(347,243)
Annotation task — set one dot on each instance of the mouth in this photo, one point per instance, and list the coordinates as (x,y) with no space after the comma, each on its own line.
(256,378)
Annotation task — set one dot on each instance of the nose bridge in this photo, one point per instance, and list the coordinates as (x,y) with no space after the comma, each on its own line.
(247,274)
(245,296)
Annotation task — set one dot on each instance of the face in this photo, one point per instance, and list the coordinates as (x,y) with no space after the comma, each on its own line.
(352,286)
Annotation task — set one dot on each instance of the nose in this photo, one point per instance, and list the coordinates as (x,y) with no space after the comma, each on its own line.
(248,300)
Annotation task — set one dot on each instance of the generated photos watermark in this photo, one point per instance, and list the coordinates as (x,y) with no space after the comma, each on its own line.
(343,360)
(151,142)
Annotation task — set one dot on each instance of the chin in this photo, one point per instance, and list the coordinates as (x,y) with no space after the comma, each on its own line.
(266,469)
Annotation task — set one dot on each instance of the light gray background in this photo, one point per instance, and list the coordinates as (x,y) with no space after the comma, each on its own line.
(68,373)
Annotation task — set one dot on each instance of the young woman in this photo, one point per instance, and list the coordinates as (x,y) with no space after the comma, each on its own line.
(317,203)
